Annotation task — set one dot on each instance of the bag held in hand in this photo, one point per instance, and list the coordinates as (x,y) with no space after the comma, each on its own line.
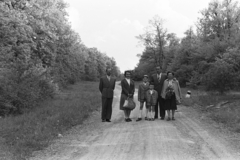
(129,104)
(178,102)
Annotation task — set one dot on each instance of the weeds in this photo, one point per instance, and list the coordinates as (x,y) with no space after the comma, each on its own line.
(34,130)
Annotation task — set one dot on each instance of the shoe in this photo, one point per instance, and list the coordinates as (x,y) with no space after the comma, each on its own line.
(103,120)
(129,119)
(139,119)
(168,119)
(162,118)
(108,120)
(173,118)
(126,120)
(153,119)
(146,118)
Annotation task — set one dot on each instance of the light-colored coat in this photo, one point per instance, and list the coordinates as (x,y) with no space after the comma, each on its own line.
(176,88)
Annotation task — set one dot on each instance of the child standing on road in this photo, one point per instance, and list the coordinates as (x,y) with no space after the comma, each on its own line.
(142,89)
(151,97)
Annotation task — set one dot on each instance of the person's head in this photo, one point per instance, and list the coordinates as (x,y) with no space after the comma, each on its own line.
(151,86)
(158,70)
(127,74)
(108,71)
(170,75)
(145,78)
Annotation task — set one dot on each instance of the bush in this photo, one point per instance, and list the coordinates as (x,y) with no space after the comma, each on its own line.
(221,76)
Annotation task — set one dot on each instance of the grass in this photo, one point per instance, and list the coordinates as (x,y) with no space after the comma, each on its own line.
(208,104)
(35,130)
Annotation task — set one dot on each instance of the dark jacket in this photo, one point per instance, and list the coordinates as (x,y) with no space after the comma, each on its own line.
(158,85)
(106,87)
(126,88)
(142,89)
(151,98)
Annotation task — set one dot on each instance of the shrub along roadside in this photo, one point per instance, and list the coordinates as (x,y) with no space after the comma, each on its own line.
(209,104)
(35,130)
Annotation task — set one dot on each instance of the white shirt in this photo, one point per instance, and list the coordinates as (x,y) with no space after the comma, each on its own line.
(159,76)
(170,82)
(128,80)
(108,77)
(151,91)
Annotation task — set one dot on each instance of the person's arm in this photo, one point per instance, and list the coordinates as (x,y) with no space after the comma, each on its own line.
(101,85)
(114,84)
(179,89)
(163,94)
(123,88)
(133,89)
(139,88)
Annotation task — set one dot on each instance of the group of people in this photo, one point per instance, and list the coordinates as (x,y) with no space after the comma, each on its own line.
(159,93)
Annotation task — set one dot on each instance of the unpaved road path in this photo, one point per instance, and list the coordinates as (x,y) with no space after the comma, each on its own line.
(187,138)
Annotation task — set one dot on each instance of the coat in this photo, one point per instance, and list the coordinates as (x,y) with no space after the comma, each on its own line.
(126,88)
(151,98)
(176,88)
(142,89)
(158,85)
(106,87)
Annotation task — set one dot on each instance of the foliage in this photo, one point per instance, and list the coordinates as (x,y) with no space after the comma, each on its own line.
(209,57)
(39,52)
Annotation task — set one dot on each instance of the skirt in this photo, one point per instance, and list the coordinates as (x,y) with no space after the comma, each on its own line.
(170,104)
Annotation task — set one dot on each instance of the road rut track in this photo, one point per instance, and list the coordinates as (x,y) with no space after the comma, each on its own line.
(184,139)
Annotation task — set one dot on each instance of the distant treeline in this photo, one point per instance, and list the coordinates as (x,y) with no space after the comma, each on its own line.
(210,57)
(39,52)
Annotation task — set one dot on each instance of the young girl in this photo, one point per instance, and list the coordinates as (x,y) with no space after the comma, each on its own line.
(151,97)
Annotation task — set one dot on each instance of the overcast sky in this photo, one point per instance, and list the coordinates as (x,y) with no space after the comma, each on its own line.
(112,25)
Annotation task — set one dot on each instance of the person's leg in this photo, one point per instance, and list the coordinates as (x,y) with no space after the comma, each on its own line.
(109,109)
(168,112)
(146,110)
(149,113)
(156,108)
(173,112)
(153,111)
(129,113)
(161,106)
(104,107)
(125,114)
(140,111)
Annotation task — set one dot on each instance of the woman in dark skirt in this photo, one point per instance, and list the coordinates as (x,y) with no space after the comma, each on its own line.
(128,89)
(172,94)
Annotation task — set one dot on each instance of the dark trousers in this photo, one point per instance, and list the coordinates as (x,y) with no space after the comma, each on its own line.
(106,108)
(160,105)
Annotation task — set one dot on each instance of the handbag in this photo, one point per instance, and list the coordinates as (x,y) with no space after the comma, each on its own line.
(178,102)
(129,104)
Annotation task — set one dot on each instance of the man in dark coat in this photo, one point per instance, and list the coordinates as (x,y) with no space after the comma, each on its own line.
(106,87)
(158,80)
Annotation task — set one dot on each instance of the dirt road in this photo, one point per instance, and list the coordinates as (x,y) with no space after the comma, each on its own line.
(187,138)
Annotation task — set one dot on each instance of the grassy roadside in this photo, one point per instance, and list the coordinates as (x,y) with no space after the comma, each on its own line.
(35,130)
(223,109)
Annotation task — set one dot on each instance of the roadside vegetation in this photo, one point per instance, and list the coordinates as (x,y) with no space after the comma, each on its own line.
(222,108)
(36,129)
(206,59)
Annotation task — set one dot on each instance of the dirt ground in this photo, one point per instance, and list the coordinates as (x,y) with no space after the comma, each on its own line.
(189,137)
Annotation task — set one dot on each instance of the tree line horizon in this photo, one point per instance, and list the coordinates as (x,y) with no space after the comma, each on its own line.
(209,57)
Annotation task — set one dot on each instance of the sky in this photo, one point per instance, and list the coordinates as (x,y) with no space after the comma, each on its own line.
(112,25)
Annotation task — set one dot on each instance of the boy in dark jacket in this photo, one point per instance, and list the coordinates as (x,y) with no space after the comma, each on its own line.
(142,89)
(151,97)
